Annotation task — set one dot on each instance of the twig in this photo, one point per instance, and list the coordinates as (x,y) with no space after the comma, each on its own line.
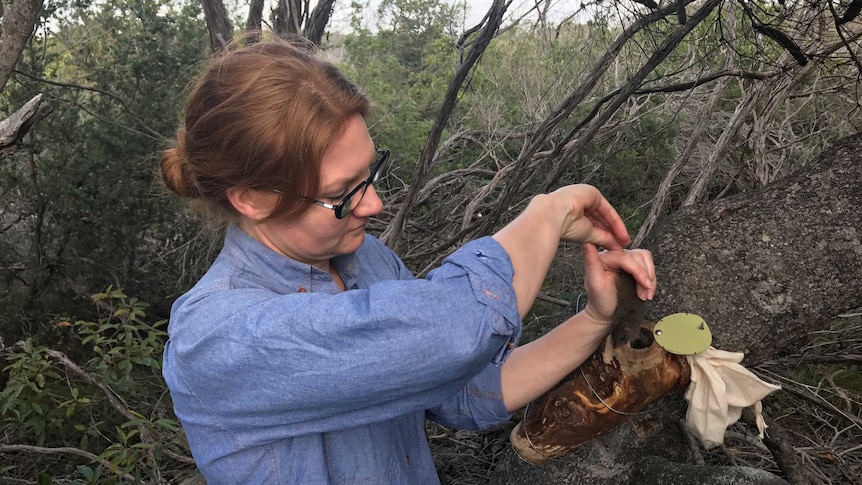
(148,131)
(750,439)
(728,455)
(113,398)
(63,450)
(115,401)
(694,453)
(785,455)
(814,359)
(812,397)
(557,301)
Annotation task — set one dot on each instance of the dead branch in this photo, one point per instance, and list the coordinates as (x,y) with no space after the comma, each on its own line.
(392,234)
(798,360)
(114,400)
(805,392)
(661,52)
(65,450)
(691,143)
(13,128)
(779,444)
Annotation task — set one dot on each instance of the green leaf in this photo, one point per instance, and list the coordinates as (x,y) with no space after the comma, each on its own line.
(43,479)
(87,472)
(133,423)
(168,424)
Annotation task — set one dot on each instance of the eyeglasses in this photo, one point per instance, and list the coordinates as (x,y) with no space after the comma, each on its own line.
(342,209)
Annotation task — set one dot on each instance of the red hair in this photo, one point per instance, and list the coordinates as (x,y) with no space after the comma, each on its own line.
(260,117)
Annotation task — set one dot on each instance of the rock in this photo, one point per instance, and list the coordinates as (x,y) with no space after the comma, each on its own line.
(653,470)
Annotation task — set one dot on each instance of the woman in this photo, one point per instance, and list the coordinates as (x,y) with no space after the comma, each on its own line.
(308,353)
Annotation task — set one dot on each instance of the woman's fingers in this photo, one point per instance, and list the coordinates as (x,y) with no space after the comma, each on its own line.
(591,218)
(606,217)
(636,262)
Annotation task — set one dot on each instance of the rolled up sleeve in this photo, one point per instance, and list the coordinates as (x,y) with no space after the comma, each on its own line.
(479,405)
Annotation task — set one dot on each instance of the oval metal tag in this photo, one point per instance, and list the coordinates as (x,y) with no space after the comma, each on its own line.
(683,334)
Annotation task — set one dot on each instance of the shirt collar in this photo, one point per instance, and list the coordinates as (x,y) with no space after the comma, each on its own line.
(284,274)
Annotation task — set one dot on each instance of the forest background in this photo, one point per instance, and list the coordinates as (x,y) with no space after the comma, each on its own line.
(660,106)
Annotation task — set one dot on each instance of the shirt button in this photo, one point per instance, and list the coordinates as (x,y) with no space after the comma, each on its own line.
(510,345)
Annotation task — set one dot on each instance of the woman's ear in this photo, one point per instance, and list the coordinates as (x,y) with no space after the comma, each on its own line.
(252,204)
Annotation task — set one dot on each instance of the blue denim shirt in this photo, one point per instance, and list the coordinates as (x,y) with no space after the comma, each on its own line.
(279,377)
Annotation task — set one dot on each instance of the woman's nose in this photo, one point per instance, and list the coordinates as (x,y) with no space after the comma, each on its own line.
(369,205)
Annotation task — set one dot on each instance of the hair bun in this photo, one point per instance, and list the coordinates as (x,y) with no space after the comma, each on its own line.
(177,171)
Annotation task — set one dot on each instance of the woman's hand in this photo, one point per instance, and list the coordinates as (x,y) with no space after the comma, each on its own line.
(589,218)
(575,213)
(601,273)
(534,368)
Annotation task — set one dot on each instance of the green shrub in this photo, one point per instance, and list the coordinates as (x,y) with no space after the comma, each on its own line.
(109,403)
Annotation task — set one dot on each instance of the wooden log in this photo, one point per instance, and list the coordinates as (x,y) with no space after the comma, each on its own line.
(614,383)
(13,128)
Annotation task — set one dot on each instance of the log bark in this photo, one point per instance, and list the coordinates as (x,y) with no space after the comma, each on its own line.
(763,268)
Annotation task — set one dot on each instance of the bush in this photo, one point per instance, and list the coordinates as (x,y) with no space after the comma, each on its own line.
(102,403)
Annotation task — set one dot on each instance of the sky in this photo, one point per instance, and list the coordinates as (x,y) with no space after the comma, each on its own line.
(476,10)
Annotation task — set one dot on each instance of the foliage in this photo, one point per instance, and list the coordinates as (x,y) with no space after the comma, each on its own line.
(82,210)
(51,401)
(403,62)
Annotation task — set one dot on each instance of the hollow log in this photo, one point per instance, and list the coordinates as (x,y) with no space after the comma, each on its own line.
(616,382)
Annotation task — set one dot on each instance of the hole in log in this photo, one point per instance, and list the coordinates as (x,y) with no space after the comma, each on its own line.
(644,340)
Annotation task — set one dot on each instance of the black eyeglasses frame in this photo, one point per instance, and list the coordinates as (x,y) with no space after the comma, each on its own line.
(343,208)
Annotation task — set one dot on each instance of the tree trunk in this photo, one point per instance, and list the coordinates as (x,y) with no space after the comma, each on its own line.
(16,26)
(218,24)
(763,268)
(315,26)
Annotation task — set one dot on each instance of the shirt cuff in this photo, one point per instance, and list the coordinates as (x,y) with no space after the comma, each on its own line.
(490,273)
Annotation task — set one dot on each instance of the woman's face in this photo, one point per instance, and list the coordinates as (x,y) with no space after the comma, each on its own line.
(317,235)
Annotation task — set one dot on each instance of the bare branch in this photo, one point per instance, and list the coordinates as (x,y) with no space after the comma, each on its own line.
(392,233)
(65,450)
(147,130)
(13,128)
